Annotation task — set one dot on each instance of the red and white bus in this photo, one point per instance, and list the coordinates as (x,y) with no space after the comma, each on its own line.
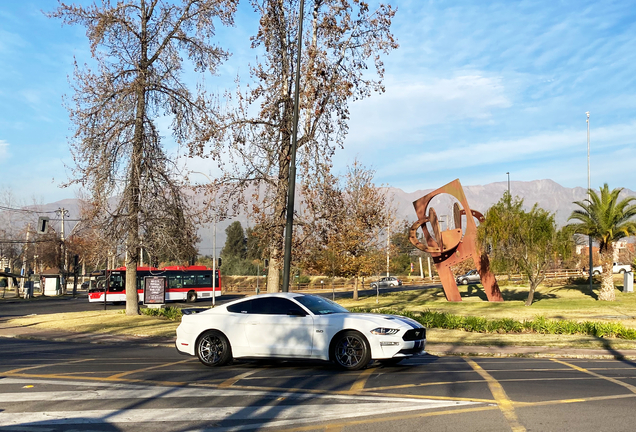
(184,283)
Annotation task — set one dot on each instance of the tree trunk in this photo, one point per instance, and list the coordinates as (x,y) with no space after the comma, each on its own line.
(530,299)
(134,180)
(355,289)
(273,275)
(607,277)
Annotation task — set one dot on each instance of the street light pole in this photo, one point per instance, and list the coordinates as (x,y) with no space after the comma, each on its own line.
(589,197)
(63,213)
(213,244)
(292,162)
(508,182)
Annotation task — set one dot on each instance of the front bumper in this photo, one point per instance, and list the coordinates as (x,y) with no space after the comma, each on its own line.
(407,344)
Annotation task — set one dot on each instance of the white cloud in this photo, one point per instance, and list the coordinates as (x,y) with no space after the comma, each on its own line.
(557,155)
(413,103)
(4,150)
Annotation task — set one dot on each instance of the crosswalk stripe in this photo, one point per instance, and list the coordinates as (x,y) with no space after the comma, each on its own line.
(297,408)
(297,413)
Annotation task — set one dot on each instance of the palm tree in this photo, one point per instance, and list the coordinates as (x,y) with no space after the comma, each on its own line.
(607,220)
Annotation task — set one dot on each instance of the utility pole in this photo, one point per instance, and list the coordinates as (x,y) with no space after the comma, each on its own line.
(64,265)
(388,243)
(289,225)
(589,196)
(214,259)
(24,258)
(213,241)
(508,173)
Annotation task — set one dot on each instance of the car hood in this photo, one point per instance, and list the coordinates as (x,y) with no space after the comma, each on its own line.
(388,320)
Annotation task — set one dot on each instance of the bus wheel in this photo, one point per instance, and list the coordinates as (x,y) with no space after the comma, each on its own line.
(192,297)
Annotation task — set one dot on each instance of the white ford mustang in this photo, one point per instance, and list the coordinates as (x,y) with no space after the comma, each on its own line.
(292,325)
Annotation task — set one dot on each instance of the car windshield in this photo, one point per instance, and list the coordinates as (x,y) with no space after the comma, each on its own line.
(320,305)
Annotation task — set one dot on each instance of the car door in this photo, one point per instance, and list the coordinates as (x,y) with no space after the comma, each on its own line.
(272,331)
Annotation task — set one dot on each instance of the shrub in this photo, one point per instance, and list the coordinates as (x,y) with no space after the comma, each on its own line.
(172,313)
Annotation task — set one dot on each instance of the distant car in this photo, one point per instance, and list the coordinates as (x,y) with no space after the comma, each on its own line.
(616,268)
(294,325)
(385,282)
(472,277)
(85,285)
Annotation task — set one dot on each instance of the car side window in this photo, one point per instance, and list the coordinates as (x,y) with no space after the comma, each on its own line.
(242,307)
(273,306)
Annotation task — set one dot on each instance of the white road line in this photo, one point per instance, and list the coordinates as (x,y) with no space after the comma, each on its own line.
(287,413)
(258,414)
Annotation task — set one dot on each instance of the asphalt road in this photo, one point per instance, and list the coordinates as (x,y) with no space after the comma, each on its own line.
(55,386)
(49,305)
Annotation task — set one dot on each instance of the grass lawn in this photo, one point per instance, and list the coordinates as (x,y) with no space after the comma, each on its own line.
(571,302)
(567,302)
(114,322)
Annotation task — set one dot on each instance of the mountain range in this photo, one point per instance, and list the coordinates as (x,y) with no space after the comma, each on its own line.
(546,193)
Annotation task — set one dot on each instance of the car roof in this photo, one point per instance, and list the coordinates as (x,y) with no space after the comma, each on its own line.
(288,295)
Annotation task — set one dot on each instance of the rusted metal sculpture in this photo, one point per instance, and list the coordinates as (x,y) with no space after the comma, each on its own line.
(450,247)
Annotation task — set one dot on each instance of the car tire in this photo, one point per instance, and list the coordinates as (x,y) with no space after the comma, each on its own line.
(464,281)
(350,351)
(391,362)
(191,297)
(621,271)
(213,349)
(596,273)
(373,286)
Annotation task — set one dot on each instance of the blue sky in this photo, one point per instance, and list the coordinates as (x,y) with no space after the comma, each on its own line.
(476,89)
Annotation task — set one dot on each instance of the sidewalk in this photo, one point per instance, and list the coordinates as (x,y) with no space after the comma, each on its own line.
(436,349)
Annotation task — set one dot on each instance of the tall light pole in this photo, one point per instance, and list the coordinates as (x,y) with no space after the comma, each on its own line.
(289,226)
(589,197)
(508,173)
(63,213)
(213,244)
(388,243)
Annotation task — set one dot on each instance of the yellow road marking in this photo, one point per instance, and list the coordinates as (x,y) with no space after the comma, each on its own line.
(568,401)
(437,383)
(88,378)
(122,374)
(47,365)
(358,385)
(589,372)
(230,382)
(403,386)
(504,403)
(444,398)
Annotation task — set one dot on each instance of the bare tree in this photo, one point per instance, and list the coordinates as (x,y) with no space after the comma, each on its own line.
(138,46)
(343,39)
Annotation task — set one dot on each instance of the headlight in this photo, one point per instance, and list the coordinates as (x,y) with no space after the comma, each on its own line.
(383,331)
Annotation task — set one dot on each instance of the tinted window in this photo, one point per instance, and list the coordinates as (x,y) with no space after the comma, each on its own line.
(242,307)
(189,280)
(117,283)
(174,281)
(204,280)
(272,306)
(320,305)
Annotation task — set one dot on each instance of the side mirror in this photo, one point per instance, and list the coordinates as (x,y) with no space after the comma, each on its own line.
(296,312)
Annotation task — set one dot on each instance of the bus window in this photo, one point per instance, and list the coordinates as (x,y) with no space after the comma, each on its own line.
(174,281)
(204,280)
(116,283)
(189,280)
